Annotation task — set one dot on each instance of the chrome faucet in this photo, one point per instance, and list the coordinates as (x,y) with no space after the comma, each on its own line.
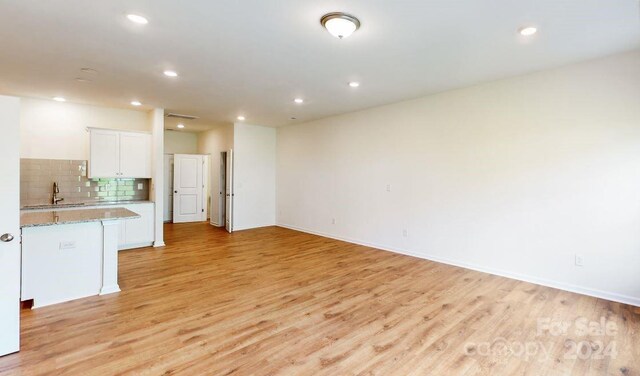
(56,190)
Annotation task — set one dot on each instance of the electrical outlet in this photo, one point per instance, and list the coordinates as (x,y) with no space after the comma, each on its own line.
(333,221)
(579,260)
(388,187)
(69,244)
(405,233)
(140,186)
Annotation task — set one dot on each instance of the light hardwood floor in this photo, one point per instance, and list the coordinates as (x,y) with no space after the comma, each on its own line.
(275,301)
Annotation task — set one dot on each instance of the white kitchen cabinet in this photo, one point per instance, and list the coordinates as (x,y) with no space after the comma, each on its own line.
(136,233)
(104,154)
(119,154)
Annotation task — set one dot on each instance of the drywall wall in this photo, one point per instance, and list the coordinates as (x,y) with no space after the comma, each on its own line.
(155,119)
(213,142)
(254,179)
(176,142)
(514,177)
(53,130)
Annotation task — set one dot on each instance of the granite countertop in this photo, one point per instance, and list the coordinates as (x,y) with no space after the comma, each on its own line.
(83,204)
(65,217)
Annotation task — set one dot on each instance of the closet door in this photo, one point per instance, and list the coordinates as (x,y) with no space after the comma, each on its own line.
(188,188)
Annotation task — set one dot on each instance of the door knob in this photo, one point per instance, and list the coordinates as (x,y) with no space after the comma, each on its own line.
(6,238)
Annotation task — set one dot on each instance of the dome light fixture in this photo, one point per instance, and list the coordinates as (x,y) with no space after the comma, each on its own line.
(180,126)
(339,24)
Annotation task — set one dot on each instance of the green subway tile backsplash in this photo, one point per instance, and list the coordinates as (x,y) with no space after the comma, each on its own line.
(37,177)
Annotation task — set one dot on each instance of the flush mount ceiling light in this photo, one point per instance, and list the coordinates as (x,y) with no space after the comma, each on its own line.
(527,31)
(339,24)
(299,100)
(354,84)
(59,99)
(170,73)
(137,19)
(136,103)
(180,126)
(241,118)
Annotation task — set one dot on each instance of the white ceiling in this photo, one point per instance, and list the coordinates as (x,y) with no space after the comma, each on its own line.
(253,57)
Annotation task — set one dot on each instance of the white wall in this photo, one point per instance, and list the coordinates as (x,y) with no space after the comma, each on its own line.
(156,194)
(53,130)
(214,142)
(254,149)
(176,142)
(514,177)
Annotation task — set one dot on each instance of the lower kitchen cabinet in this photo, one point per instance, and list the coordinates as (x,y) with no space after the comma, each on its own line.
(136,233)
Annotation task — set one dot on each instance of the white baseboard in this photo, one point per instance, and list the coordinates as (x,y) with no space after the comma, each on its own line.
(254,227)
(134,246)
(607,295)
(158,244)
(109,289)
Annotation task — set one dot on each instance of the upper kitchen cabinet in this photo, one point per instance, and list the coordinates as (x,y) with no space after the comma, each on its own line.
(119,154)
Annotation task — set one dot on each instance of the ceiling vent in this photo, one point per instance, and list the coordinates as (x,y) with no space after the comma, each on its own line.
(180,116)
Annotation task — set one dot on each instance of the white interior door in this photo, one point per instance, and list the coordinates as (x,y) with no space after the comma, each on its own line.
(188,188)
(168,188)
(228,220)
(9,225)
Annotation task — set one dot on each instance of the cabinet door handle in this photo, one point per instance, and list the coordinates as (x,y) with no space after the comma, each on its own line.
(6,238)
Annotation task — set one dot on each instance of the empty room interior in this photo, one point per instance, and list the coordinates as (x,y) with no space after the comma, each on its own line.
(297,187)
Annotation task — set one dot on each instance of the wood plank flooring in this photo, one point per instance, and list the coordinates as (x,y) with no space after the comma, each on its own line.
(273,301)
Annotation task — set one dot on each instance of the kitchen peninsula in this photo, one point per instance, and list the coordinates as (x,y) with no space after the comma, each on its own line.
(70,254)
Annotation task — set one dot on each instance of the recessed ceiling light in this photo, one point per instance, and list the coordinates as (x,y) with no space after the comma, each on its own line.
(180,126)
(137,19)
(299,100)
(339,24)
(59,99)
(354,84)
(136,103)
(241,118)
(528,31)
(170,73)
